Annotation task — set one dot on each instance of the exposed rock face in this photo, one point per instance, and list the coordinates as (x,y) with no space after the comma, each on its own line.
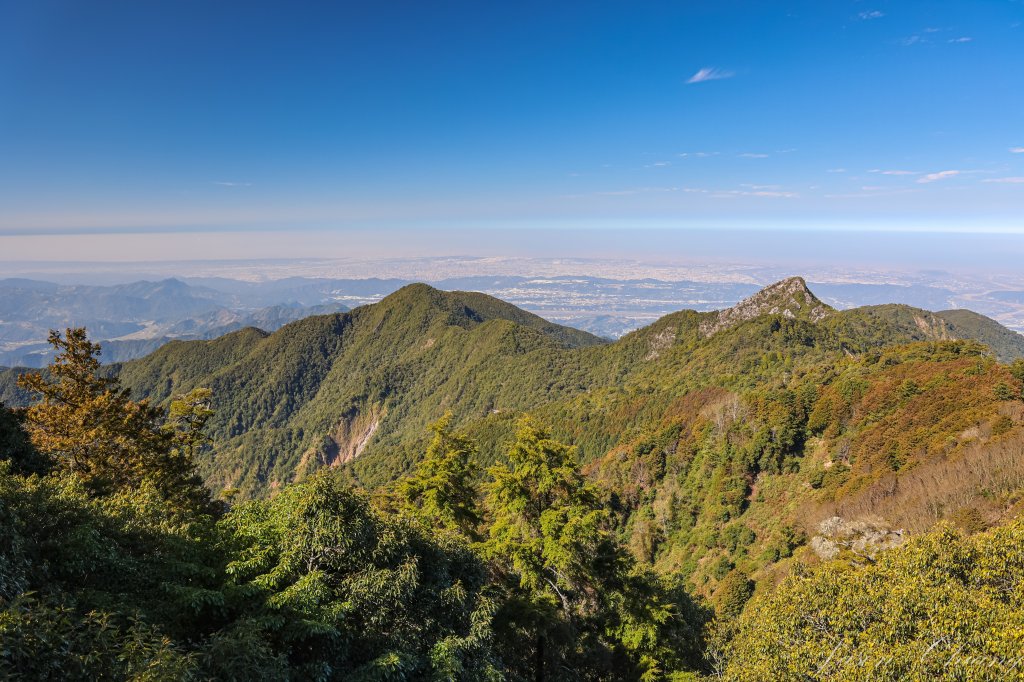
(861,540)
(789,298)
(933,327)
(659,342)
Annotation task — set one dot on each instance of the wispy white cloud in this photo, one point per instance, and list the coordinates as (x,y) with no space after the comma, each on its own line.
(1006,181)
(750,155)
(710,74)
(698,155)
(836,170)
(929,35)
(880,171)
(873,14)
(658,164)
(941,175)
(232,184)
(1017,150)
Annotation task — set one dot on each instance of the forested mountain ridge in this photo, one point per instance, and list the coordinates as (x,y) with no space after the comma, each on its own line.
(310,393)
(327,389)
(721,454)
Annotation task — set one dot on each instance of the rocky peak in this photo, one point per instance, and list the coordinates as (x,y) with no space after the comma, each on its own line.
(789,298)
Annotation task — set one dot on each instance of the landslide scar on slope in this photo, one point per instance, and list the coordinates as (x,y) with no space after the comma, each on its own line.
(932,328)
(352,433)
(346,441)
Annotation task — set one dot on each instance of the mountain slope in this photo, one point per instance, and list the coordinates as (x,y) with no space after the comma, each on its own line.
(789,298)
(327,390)
(314,391)
(359,388)
(1006,343)
(720,439)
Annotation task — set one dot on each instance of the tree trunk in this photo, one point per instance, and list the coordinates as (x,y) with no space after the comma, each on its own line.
(540,658)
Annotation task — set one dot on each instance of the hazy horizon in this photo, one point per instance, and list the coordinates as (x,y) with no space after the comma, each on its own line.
(905,252)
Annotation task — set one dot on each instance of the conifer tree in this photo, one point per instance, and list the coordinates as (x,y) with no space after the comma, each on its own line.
(570,585)
(94,430)
(176,467)
(86,420)
(440,490)
(187,421)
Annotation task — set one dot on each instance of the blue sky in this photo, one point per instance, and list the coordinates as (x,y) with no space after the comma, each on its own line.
(196,118)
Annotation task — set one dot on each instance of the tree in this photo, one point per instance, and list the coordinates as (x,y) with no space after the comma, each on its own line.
(732,594)
(93,429)
(944,606)
(350,590)
(574,597)
(547,520)
(1003,391)
(87,421)
(440,490)
(176,472)
(187,421)
(16,448)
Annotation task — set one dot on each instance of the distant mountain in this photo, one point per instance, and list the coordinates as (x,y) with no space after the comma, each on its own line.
(135,318)
(130,320)
(297,396)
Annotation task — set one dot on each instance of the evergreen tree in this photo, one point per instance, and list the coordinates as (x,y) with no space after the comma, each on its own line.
(187,421)
(440,490)
(175,471)
(89,424)
(16,448)
(350,593)
(86,420)
(575,600)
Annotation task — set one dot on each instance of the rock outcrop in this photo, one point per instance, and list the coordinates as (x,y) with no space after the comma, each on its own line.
(790,298)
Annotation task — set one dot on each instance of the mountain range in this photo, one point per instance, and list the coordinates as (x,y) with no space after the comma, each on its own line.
(135,318)
(723,438)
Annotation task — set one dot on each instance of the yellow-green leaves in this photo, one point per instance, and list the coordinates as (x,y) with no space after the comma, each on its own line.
(943,607)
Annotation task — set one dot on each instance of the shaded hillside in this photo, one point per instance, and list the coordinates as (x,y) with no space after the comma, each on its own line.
(1007,344)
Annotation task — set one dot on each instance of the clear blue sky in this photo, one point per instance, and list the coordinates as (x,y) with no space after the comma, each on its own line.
(196,117)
